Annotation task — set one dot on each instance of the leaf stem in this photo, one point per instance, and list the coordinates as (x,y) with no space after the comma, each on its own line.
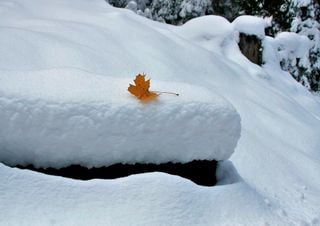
(171,93)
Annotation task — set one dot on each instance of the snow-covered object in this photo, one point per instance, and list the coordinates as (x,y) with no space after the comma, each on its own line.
(251,25)
(292,45)
(276,158)
(194,8)
(129,4)
(132,5)
(287,51)
(306,23)
(173,12)
(57,118)
(301,3)
(210,32)
(293,50)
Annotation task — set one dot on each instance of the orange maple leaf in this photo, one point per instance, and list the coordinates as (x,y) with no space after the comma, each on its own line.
(141,89)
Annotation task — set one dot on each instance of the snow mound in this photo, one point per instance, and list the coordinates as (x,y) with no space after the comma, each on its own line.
(292,45)
(251,25)
(144,199)
(55,118)
(209,32)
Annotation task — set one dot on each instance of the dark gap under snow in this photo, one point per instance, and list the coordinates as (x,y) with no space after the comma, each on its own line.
(201,172)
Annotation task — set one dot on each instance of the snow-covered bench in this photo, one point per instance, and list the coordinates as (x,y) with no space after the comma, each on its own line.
(56,118)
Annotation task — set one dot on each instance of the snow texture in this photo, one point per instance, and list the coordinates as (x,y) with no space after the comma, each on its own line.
(301,3)
(57,118)
(251,25)
(272,177)
(203,31)
(306,23)
(291,45)
(293,50)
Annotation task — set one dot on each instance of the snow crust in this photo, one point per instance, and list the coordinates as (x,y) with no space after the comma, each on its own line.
(59,117)
(272,177)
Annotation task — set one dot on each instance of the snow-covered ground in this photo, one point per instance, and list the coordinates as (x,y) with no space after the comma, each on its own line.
(56,57)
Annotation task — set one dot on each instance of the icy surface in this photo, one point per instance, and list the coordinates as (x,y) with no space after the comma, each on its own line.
(273,176)
(56,118)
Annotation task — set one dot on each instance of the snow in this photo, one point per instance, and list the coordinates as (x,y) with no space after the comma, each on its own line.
(251,25)
(308,26)
(148,199)
(197,31)
(60,117)
(292,45)
(293,50)
(301,3)
(272,178)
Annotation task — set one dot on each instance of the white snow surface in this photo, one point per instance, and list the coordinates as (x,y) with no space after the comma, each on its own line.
(292,45)
(301,3)
(215,39)
(251,25)
(60,117)
(271,179)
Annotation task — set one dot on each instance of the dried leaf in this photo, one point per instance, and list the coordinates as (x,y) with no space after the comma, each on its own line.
(141,89)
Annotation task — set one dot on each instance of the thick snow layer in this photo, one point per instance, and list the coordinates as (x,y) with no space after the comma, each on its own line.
(292,45)
(203,31)
(62,117)
(251,25)
(148,199)
(273,176)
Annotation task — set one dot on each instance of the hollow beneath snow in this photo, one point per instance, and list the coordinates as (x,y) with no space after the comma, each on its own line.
(200,172)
